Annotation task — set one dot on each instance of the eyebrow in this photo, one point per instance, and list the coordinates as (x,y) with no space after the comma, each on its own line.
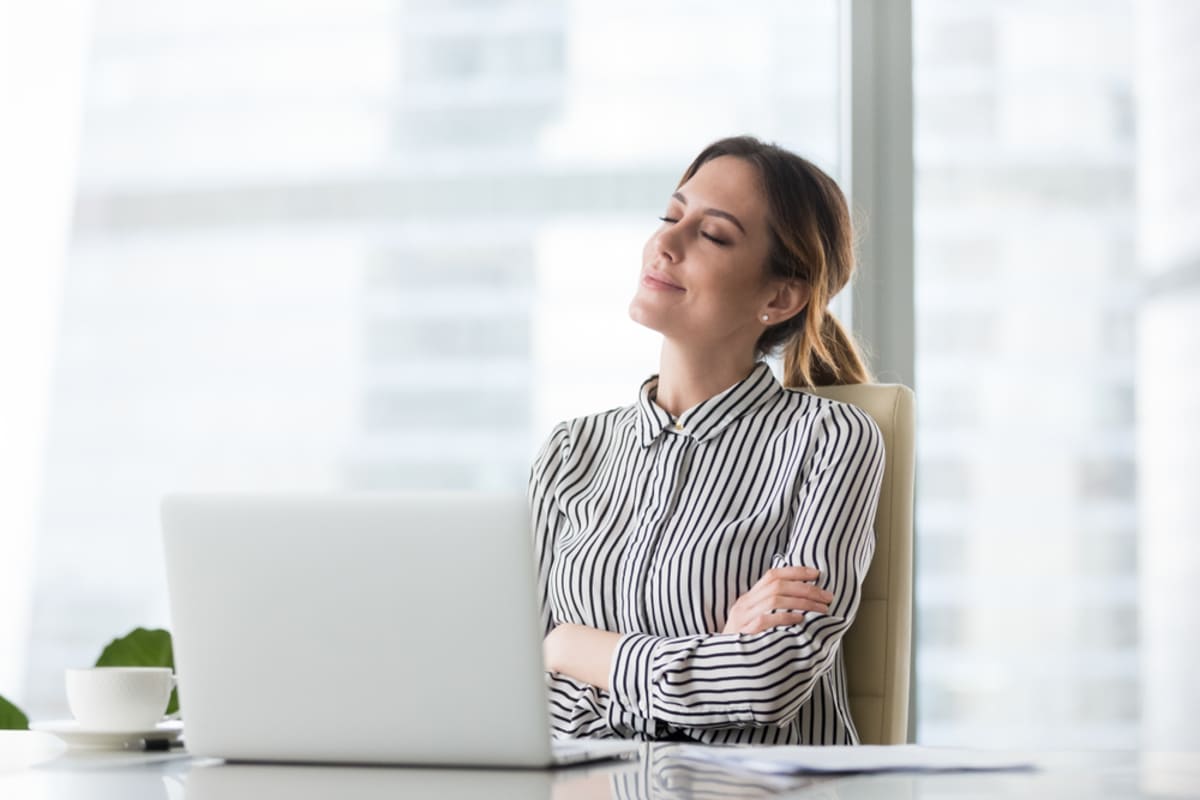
(716,212)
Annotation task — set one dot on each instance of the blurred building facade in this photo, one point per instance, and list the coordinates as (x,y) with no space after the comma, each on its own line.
(1026,295)
(1168,370)
(366,245)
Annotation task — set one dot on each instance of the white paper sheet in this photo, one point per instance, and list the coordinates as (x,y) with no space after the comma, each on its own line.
(801,760)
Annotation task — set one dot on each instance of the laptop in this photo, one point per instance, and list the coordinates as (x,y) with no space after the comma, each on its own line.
(362,628)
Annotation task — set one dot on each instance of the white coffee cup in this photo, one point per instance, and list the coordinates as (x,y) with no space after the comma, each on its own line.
(119,698)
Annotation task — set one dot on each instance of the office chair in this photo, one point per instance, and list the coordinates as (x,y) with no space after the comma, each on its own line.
(876,648)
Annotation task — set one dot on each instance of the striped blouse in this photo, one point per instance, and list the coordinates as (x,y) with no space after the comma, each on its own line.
(653,526)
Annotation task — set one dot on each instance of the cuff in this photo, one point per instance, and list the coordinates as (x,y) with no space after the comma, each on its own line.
(629,675)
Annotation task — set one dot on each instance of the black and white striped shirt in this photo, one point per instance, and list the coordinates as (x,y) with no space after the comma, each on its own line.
(652,527)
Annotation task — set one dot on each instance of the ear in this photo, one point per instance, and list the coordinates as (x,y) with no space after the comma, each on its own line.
(788,300)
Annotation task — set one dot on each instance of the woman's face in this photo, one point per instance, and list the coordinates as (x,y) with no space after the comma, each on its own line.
(703,278)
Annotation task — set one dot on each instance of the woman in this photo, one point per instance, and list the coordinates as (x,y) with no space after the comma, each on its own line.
(702,551)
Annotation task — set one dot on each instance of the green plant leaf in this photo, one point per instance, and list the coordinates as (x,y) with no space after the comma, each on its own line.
(11,717)
(142,648)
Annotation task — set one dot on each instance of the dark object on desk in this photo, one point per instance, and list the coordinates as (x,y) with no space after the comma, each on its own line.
(11,717)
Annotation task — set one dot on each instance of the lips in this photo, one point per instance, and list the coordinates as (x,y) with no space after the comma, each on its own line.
(659,280)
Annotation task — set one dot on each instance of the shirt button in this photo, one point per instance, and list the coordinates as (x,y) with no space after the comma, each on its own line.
(679,426)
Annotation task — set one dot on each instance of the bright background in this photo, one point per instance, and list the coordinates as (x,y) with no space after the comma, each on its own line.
(386,244)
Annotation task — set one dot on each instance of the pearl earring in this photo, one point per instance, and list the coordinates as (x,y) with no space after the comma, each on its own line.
(765,317)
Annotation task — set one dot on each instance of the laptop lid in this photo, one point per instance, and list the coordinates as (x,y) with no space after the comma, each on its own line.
(389,628)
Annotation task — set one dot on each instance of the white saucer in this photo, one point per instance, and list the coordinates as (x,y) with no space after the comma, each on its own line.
(70,732)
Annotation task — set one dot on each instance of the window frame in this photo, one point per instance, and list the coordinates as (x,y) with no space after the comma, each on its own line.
(877,163)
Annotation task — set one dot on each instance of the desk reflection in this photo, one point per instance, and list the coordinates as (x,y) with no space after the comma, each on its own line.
(660,773)
(221,781)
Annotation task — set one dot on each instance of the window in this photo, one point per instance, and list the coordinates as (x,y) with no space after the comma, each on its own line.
(1026,293)
(367,245)
(388,243)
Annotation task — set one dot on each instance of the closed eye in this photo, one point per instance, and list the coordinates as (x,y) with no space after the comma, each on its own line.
(710,237)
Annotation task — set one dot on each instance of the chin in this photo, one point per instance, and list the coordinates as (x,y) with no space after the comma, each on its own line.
(644,316)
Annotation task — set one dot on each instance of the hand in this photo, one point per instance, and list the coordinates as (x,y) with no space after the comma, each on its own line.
(780,597)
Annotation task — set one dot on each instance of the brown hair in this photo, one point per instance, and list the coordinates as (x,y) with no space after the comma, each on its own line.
(811,241)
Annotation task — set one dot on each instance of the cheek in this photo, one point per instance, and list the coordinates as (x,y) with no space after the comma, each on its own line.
(724,277)
(727,291)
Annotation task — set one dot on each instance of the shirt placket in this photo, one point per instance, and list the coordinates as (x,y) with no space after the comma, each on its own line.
(660,498)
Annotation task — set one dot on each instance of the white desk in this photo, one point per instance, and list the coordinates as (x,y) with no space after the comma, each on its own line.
(36,765)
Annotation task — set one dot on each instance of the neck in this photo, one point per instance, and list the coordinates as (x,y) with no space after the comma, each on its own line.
(687,378)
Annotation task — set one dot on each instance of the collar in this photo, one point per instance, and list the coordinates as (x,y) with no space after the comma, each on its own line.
(708,418)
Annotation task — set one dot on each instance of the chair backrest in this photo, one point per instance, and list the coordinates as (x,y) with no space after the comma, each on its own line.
(877,646)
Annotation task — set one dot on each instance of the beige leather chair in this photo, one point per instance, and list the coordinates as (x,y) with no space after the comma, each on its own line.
(877,646)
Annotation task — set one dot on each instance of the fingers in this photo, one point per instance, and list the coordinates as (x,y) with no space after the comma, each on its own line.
(752,619)
(794,604)
(767,621)
(758,623)
(789,588)
(787,582)
(779,595)
(794,573)
(789,607)
(789,595)
(773,579)
(803,590)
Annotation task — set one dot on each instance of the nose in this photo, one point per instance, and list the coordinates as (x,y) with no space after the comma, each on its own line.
(669,242)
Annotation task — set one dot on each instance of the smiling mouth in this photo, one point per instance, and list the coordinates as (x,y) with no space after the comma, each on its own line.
(658,283)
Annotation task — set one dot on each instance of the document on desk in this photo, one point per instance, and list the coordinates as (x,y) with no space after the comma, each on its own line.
(837,759)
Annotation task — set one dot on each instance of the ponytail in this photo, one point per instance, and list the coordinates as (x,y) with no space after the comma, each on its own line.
(822,353)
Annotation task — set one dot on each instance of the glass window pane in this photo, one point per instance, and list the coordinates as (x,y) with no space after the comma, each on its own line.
(1026,289)
(368,244)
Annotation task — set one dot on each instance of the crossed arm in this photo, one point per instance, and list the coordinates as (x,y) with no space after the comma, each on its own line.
(780,598)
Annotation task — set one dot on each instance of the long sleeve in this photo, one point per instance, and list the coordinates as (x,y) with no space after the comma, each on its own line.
(740,680)
(545,516)
(577,709)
